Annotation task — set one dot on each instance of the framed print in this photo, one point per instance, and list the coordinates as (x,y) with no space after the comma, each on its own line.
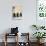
(17,12)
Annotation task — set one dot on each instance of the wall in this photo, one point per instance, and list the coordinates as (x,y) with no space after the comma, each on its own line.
(29,15)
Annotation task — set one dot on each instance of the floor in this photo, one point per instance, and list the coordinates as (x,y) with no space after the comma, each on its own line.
(13,44)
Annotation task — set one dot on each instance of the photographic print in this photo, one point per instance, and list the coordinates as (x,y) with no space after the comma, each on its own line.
(16,11)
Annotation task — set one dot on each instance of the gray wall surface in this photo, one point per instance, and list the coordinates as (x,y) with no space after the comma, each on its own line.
(29,15)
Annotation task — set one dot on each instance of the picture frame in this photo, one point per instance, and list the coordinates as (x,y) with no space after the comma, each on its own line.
(17,12)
